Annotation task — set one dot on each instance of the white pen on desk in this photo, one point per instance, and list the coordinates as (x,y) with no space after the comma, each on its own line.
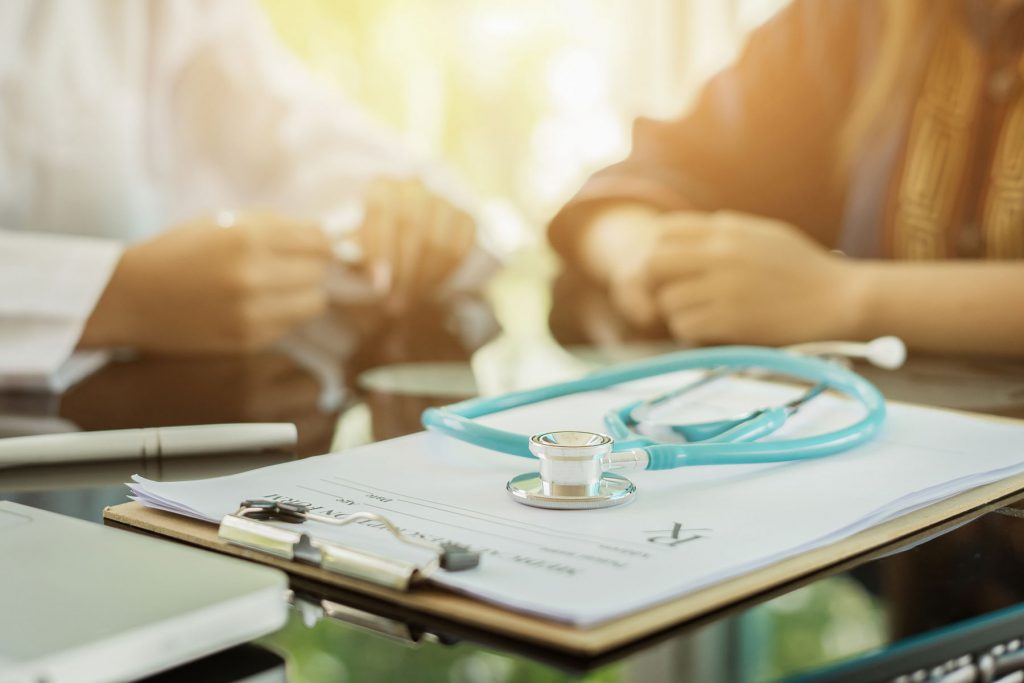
(123,444)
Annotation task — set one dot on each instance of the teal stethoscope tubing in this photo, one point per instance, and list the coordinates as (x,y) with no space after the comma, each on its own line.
(458,420)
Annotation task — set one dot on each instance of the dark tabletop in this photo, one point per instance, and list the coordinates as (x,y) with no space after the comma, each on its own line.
(388,371)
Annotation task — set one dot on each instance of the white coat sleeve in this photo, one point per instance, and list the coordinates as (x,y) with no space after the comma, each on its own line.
(49,285)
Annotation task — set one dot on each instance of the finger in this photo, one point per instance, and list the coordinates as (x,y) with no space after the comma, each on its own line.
(434,245)
(286,273)
(291,307)
(378,235)
(676,262)
(634,302)
(449,235)
(368,233)
(466,229)
(307,239)
(463,241)
(413,226)
(688,225)
(682,295)
(692,325)
(283,234)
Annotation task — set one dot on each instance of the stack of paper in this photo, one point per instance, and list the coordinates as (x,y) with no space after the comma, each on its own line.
(687,528)
(50,284)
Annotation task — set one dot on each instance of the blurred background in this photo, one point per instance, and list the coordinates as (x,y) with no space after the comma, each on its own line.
(523,98)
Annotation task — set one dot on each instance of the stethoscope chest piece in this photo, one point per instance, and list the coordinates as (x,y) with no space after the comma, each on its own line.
(571,474)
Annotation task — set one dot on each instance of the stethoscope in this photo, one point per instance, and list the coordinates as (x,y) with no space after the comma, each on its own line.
(574,465)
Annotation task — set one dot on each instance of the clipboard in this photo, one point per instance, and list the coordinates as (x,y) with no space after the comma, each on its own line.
(594,640)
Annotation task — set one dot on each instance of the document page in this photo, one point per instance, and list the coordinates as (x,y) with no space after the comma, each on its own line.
(49,285)
(686,529)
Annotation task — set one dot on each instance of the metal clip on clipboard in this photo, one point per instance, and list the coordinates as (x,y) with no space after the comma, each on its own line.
(246,527)
(314,609)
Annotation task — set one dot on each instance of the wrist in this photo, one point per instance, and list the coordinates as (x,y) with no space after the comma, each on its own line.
(857,299)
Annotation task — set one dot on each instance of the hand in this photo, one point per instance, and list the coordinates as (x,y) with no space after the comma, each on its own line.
(734,278)
(624,247)
(202,288)
(412,239)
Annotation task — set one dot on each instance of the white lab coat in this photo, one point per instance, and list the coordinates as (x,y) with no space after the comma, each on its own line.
(119,118)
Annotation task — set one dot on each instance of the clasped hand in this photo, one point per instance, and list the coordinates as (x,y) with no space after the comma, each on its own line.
(734,278)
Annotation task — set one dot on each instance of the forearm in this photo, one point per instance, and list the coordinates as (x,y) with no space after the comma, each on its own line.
(946,307)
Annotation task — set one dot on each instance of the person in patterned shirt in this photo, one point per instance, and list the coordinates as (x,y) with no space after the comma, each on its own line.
(858,171)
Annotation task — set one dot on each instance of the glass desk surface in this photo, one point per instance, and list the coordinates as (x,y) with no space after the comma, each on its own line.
(397,370)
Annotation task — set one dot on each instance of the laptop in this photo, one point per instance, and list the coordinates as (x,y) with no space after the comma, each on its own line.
(83,602)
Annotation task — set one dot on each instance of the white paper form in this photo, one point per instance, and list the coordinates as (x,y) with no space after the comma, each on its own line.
(48,287)
(687,528)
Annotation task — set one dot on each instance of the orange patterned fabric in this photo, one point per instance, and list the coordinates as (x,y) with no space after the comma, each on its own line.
(1003,217)
(960,192)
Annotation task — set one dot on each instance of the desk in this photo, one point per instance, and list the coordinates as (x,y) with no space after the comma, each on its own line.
(848,611)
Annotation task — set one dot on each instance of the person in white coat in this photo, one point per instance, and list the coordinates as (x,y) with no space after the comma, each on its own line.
(167,170)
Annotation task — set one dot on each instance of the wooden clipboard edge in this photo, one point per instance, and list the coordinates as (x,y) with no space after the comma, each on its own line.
(605,636)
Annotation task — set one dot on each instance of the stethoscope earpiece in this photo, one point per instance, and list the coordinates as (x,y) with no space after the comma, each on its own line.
(888,353)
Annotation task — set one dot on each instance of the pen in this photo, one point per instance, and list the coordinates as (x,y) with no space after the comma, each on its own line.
(121,444)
